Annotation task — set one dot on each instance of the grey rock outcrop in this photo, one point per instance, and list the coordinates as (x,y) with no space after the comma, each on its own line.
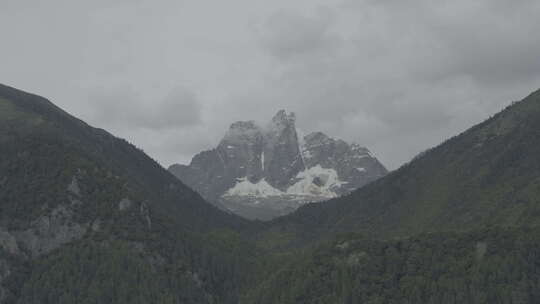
(73,187)
(50,231)
(45,234)
(124,204)
(8,242)
(282,155)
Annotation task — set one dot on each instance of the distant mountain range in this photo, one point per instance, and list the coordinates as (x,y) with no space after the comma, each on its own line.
(271,170)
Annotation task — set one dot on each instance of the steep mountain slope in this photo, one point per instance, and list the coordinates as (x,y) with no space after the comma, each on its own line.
(30,123)
(267,171)
(486,176)
(74,199)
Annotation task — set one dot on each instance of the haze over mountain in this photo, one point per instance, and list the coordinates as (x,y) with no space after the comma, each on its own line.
(267,171)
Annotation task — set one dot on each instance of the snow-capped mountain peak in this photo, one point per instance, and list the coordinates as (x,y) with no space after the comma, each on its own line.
(267,171)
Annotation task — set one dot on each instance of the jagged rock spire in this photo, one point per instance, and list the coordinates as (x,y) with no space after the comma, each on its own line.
(273,159)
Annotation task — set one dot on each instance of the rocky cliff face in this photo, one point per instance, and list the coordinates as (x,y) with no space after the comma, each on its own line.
(282,154)
(267,171)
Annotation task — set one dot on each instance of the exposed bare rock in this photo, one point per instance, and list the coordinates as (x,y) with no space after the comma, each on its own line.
(481,249)
(73,187)
(145,213)
(96,225)
(124,204)
(282,153)
(50,231)
(8,242)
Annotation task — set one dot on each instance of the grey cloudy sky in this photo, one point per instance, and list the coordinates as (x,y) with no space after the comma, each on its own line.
(397,76)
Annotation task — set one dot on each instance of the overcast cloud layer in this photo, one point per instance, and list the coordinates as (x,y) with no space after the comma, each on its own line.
(170,76)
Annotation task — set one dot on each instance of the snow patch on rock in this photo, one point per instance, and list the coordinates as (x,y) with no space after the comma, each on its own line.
(307,154)
(301,144)
(244,187)
(316,181)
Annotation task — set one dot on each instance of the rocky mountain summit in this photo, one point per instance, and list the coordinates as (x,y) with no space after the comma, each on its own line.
(267,171)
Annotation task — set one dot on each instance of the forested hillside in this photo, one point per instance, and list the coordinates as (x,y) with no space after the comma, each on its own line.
(485,266)
(86,217)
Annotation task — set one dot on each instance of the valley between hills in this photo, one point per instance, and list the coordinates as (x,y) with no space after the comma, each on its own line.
(87,217)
